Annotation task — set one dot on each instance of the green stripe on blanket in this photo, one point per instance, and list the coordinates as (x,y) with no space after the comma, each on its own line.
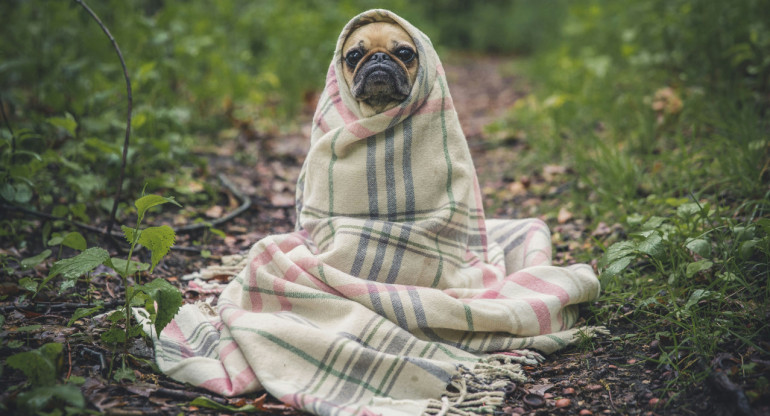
(394,285)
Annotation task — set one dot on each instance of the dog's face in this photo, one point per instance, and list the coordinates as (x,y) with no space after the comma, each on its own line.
(380,64)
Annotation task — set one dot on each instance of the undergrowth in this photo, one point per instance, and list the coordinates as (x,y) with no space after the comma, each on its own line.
(660,110)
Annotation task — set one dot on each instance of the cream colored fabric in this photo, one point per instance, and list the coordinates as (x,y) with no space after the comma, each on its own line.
(394,284)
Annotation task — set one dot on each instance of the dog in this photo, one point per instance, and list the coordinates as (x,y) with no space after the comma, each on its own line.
(380,64)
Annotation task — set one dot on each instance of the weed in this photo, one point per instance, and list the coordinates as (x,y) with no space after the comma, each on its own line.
(158,297)
(42,368)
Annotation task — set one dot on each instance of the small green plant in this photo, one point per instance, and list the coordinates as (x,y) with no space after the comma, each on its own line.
(697,280)
(158,297)
(42,368)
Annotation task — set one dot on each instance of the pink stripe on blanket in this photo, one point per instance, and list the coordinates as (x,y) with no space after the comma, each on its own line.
(350,119)
(225,351)
(482,224)
(359,131)
(488,276)
(173,331)
(279,292)
(434,106)
(541,256)
(542,313)
(231,386)
(539,285)
(231,313)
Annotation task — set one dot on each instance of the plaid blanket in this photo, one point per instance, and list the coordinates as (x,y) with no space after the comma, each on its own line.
(394,285)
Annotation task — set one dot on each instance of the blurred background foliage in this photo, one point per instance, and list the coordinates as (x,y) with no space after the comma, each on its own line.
(627,83)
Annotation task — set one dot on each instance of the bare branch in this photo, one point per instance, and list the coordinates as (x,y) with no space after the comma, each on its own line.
(119,189)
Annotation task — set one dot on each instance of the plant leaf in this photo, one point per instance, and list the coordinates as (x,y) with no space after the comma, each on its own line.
(74,240)
(28,283)
(74,267)
(114,336)
(168,300)
(33,261)
(67,123)
(40,365)
(35,400)
(617,266)
(158,240)
(699,246)
(130,233)
(124,374)
(697,267)
(653,223)
(148,201)
(696,296)
(82,313)
(23,193)
(119,265)
(687,210)
(652,245)
(8,192)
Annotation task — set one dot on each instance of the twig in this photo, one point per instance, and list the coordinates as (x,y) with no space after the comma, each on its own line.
(98,354)
(54,306)
(243,199)
(128,115)
(69,359)
(8,124)
(55,218)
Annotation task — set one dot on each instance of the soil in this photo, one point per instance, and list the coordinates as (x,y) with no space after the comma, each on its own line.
(609,375)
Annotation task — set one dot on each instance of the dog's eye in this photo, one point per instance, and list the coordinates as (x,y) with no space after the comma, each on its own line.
(353,57)
(405,55)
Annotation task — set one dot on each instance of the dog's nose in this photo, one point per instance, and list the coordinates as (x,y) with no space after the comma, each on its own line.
(379,57)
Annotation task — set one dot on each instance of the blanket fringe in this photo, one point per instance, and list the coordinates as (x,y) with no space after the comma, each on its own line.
(482,389)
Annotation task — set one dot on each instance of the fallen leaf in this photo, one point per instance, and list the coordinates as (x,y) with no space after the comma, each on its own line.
(282,200)
(540,389)
(215,211)
(552,171)
(564,216)
(517,188)
(601,229)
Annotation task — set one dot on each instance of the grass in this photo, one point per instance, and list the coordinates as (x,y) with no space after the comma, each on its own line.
(680,160)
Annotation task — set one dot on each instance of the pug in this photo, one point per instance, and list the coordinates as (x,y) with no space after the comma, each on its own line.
(380,64)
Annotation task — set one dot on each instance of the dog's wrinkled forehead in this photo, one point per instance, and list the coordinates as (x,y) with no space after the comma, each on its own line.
(381,34)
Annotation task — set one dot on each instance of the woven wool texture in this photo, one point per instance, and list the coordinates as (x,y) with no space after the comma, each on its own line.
(394,281)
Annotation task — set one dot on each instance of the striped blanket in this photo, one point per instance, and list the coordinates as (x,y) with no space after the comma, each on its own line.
(394,285)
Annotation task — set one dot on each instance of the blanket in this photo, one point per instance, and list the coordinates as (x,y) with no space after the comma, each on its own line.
(394,285)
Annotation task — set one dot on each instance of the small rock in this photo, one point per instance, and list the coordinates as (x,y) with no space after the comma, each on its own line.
(594,387)
(654,401)
(508,410)
(548,396)
(612,367)
(586,412)
(632,361)
(563,403)
(520,410)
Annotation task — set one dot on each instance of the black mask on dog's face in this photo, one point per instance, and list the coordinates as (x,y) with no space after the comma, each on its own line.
(380,64)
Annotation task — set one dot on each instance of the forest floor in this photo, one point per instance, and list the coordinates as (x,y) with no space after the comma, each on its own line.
(610,375)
